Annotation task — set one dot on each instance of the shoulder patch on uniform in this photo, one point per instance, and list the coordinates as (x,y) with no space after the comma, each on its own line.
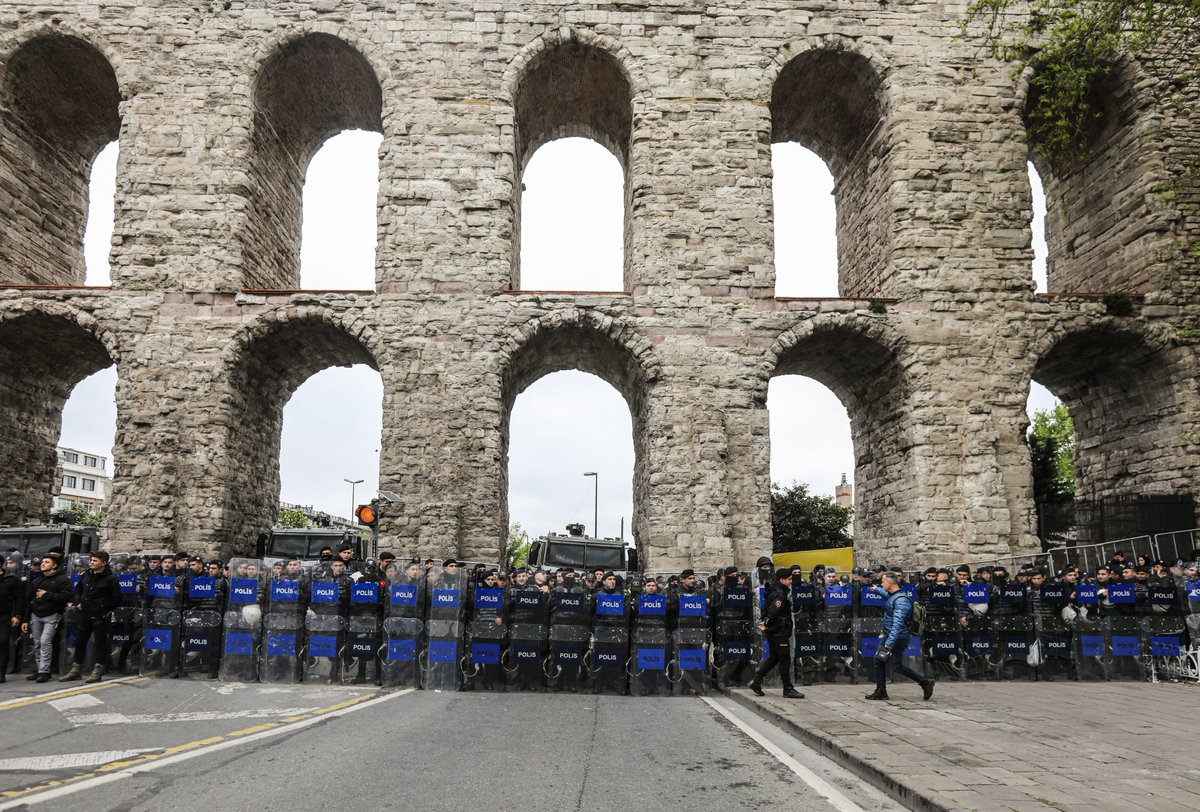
(778,603)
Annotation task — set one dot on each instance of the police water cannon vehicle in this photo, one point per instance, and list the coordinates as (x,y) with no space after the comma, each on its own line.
(581,552)
(306,543)
(36,541)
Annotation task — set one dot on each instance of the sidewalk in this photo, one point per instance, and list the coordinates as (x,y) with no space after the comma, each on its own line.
(1008,745)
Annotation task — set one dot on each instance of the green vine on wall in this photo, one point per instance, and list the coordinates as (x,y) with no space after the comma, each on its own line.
(1073,46)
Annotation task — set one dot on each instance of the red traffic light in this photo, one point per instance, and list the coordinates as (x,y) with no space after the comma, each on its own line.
(366,515)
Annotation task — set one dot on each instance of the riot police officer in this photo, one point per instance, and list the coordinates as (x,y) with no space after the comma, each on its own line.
(776,626)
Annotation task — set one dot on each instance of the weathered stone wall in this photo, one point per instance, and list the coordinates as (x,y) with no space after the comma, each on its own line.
(220,110)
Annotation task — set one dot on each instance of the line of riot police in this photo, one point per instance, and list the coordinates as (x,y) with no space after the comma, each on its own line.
(445,628)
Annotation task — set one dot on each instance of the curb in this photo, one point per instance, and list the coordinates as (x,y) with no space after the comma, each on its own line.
(828,747)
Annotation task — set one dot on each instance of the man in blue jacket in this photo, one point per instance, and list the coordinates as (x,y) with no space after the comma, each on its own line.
(895,636)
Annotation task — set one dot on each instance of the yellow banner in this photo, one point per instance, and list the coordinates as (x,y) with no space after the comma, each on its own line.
(840,557)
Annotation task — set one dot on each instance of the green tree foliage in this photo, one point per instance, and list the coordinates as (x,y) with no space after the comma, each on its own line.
(516,548)
(1073,46)
(1051,439)
(290,517)
(85,518)
(803,521)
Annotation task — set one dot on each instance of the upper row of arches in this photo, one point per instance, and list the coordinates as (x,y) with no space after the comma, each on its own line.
(62,103)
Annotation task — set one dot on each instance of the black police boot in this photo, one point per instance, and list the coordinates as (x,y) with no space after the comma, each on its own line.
(790,692)
(757,688)
(876,695)
(927,689)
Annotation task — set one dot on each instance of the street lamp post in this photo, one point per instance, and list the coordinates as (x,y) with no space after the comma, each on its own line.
(595,503)
(353,503)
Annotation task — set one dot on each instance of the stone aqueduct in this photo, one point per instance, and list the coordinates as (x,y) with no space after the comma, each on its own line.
(218,107)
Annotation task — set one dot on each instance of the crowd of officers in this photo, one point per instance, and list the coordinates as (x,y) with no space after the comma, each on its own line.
(448,626)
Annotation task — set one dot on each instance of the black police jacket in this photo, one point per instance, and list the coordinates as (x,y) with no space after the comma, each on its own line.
(777,614)
(12,597)
(58,594)
(98,592)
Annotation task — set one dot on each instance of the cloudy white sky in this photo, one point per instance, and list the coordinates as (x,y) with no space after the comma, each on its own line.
(566,423)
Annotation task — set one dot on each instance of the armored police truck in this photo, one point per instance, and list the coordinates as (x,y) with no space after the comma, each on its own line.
(36,541)
(582,552)
(306,543)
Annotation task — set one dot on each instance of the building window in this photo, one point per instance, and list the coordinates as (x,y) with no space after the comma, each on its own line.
(89,484)
(70,456)
(69,482)
(90,462)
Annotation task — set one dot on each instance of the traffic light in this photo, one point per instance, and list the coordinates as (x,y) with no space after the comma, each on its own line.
(367,514)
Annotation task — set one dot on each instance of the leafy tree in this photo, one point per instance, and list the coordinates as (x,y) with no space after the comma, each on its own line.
(516,548)
(291,517)
(83,517)
(803,521)
(1073,46)
(1051,439)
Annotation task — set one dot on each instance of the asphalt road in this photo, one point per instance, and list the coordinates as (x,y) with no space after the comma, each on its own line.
(198,745)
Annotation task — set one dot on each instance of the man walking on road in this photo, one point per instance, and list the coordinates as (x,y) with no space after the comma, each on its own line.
(776,627)
(894,640)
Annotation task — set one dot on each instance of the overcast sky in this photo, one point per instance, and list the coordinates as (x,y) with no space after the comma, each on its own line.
(565,424)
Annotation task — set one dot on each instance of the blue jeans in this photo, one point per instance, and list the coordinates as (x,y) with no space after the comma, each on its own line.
(898,667)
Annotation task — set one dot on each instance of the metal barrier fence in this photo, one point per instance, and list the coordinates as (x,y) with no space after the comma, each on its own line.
(1170,547)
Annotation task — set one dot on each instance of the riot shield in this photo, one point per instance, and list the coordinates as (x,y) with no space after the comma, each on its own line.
(867,632)
(762,581)
(403,628)
(529,619)
(733,643)
(690,669)
(806,626)
(77,564)
(1122,647)
(163,622)
(325,628)
(1163,645)
(606,661)
(837,634)
(1053,655)
(363,633)
(440,668)
(569,634)
(943,644)
(486,631)
(200,642)
(649,650)
(242,622)
(1014,647)
(1088,642)
(125,633)
(978,638)
(283,629)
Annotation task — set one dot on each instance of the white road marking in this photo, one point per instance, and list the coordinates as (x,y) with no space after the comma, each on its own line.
(836,799)
(72,702)
(68,760)
(99,780)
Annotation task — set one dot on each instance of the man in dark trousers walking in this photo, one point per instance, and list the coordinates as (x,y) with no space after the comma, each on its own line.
(776,627)
(894,640)
(96,595)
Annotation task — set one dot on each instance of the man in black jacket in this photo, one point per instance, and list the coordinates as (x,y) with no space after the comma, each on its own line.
(96,595)
(776,627)
(48,596)
(12,606)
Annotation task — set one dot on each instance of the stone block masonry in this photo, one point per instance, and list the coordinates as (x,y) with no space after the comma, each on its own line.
(218,108)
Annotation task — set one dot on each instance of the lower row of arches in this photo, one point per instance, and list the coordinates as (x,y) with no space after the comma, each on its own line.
(309,401)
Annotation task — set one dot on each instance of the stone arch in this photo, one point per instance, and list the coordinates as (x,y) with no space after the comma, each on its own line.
(312,85)
(44,352)
(1106,229)
(61,101)
(571,83)
(868,366)
(1125,388)
(831,97)
(604,346)
(261,368)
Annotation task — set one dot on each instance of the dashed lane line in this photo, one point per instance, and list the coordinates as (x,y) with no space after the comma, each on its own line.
(836,799)
(125,768)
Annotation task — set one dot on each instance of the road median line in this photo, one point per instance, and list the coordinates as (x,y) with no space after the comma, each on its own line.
(62,693)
